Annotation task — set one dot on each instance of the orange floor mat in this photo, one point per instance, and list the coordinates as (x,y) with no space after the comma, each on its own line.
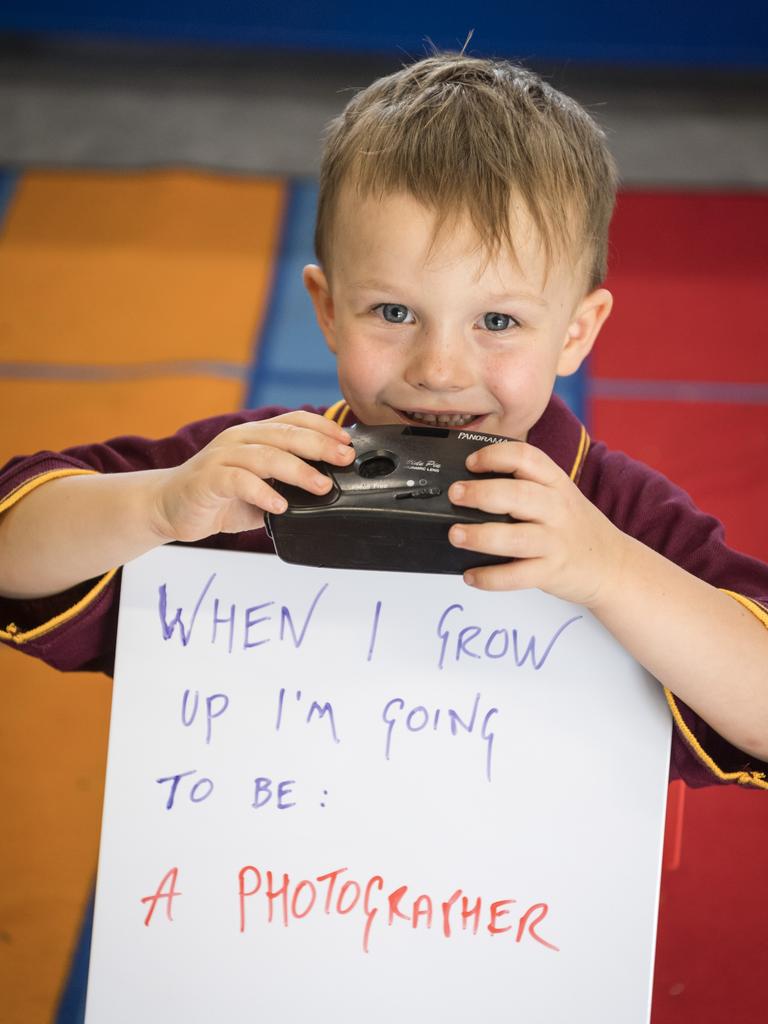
(55,414)
(53,748)
(160,281)
(120,268)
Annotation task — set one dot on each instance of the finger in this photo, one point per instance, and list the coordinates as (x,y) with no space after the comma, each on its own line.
(509,540)
(238,484)
(521,499)
(306,442)
(524,460)
(269,461)
(313,421)
(523,575)
(298,418)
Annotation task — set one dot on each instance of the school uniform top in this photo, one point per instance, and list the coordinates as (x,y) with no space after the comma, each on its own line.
(76,630)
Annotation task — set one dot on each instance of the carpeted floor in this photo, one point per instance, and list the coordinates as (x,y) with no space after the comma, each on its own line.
(137,302)
(130,304)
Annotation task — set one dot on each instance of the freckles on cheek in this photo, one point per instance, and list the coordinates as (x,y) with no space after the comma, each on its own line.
(522,390)
(360,372)
(357,361)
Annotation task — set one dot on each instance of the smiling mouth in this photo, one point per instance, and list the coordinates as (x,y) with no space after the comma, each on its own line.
(441,419)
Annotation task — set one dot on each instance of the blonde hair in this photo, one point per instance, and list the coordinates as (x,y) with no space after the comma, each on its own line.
(464,135)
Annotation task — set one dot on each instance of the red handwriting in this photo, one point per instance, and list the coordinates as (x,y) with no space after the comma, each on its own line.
(288,900)
(160,893)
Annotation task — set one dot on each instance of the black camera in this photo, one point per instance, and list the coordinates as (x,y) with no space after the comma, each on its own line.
(389,509)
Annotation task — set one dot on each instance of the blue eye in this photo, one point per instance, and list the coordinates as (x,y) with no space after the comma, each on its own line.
(498,321)
(394,312)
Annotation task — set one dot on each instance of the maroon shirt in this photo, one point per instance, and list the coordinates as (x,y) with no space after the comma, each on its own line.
(77,629)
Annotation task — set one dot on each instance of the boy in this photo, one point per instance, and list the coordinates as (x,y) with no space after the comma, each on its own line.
(461,238)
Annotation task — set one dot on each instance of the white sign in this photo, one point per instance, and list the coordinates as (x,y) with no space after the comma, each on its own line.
(359,796)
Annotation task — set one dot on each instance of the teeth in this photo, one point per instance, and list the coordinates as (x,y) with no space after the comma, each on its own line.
(443,420)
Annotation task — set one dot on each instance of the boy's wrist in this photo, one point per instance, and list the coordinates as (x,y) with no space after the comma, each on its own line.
(616,571)
(153,509)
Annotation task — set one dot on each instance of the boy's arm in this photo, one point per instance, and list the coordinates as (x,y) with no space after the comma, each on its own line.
(74,528)
(699,642)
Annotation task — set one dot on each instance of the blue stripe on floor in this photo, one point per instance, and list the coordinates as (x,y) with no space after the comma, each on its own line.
(8,182)
(72,1005)
(293,365)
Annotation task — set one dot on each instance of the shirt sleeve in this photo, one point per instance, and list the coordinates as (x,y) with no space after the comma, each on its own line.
(76,630)
(647,506)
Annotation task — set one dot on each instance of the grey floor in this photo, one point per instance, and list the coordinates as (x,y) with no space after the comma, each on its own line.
(107,105)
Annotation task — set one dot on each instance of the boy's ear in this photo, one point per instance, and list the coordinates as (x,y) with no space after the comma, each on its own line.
(316,284)
(589,316)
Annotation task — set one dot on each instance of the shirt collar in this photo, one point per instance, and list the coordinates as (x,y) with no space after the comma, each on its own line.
(562,436)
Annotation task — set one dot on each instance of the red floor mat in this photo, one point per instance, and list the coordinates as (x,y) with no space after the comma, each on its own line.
(680,380)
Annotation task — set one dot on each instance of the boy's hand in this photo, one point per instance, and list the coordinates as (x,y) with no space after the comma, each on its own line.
(562,543)
(223,488)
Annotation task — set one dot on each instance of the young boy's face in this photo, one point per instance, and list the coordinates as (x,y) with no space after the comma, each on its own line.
(447,337)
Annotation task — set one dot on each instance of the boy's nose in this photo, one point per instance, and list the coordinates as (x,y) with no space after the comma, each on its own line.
(439,362)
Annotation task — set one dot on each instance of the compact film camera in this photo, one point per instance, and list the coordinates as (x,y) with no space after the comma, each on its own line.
(389,509)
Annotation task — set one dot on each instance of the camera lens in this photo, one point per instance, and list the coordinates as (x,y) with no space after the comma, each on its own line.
(376,464)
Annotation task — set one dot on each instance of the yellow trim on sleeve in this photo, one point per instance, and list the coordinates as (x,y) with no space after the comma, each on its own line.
(581,454)
(757,609)
(12,631)
(756,779)
(35,481)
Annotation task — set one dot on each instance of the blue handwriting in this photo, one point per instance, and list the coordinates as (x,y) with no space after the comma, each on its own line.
(418,717)
(473,642)
(251,624)
(215,706)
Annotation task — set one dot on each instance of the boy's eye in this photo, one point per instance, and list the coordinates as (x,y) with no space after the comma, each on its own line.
(394,313)
(498,321)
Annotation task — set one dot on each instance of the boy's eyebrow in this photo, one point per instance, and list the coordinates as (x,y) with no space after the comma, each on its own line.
(382,286)
(525,296)
(374,286)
